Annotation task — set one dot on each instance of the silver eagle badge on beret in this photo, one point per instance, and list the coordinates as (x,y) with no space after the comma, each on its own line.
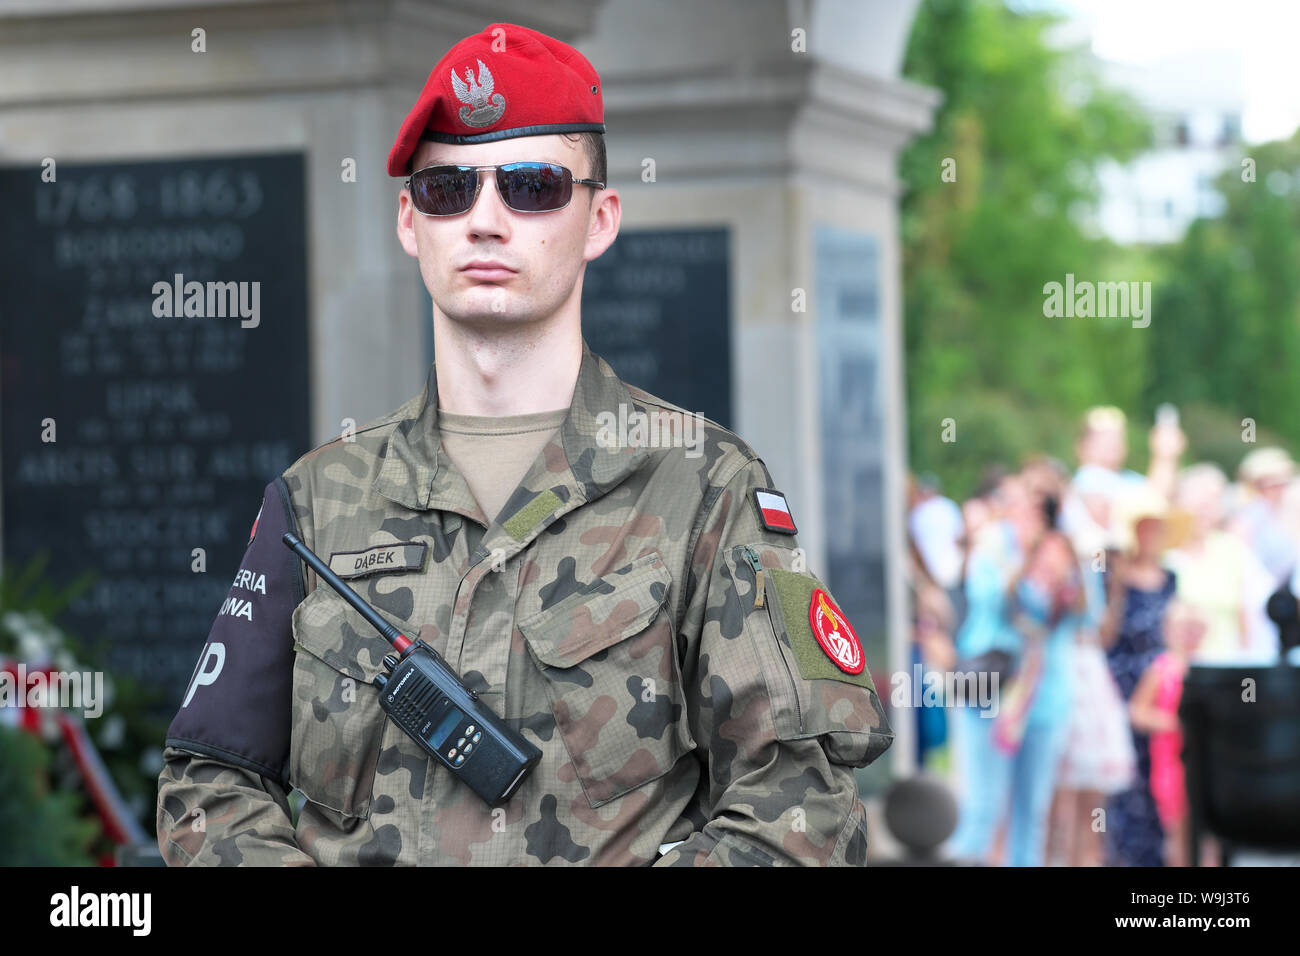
(483,106)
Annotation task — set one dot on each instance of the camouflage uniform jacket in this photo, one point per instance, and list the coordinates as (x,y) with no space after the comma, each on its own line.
(629,612)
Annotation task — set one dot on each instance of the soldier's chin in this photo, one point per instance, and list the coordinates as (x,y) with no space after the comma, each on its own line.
(482,312)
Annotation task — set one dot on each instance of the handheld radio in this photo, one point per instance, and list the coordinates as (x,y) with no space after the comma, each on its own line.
(427,699)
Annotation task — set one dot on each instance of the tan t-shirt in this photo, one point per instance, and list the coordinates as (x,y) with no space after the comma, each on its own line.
(494,453)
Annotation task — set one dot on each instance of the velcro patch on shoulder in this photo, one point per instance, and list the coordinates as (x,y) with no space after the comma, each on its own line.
(774,511)
(824,643)
(381,559)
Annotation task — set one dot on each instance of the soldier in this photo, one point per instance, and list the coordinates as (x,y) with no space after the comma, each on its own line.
(638,610)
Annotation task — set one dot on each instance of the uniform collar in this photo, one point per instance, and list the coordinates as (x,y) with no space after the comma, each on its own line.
(417,474)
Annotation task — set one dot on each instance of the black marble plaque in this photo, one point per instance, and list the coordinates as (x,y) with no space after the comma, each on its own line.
(166,423)
(656,306)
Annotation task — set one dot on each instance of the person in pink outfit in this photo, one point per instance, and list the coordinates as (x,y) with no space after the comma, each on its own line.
(1154,709)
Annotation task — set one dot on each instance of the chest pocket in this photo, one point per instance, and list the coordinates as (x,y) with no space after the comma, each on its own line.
(338,726)
(609,657)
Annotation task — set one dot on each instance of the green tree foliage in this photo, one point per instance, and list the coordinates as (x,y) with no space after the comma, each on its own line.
(37,827)
(1026,126)
(1232,298)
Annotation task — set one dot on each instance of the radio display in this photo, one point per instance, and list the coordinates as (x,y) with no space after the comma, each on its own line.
(449,722)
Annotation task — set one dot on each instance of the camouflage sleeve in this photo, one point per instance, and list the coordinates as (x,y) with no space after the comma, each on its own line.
(221,793)
(779,697)
(213,814)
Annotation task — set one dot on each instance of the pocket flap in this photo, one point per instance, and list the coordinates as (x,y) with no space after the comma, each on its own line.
(327,628)
(605,612)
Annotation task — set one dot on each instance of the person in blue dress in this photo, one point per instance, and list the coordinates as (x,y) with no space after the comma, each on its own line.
(1026,600)
(1139,589)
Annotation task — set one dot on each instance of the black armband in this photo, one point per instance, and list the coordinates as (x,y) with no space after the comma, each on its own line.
(236,707)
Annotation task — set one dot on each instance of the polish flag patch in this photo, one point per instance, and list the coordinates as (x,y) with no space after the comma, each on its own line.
(774,511)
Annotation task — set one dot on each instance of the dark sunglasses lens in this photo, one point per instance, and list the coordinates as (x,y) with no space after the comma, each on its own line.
(443,190)
(534,187)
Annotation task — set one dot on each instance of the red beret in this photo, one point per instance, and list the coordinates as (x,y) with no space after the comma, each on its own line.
(506,81)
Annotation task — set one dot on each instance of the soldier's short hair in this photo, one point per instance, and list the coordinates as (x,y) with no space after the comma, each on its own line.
(593,145)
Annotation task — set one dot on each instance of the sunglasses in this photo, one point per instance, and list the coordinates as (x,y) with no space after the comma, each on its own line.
(524,187)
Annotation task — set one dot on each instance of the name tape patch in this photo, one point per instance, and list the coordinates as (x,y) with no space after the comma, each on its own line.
(774,511)
(383,559)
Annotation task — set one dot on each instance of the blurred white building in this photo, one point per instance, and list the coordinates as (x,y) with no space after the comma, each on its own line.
(1195,99)
(1195,103)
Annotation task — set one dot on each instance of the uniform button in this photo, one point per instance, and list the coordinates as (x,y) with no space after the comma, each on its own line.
(451,753)
(469,729)
(461,742)
(460,760)
(477,736)
(468,748)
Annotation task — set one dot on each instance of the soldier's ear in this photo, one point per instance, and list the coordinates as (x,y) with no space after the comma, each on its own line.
(603,224)
(406,224)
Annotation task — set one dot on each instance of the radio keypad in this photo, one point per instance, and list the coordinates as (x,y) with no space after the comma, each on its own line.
(466,738)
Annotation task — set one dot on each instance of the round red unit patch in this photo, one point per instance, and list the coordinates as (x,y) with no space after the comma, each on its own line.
(834,633)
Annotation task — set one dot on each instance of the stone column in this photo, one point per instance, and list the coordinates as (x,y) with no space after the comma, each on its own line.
(790,139)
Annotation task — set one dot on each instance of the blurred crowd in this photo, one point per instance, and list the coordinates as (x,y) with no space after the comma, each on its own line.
(1086,596)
